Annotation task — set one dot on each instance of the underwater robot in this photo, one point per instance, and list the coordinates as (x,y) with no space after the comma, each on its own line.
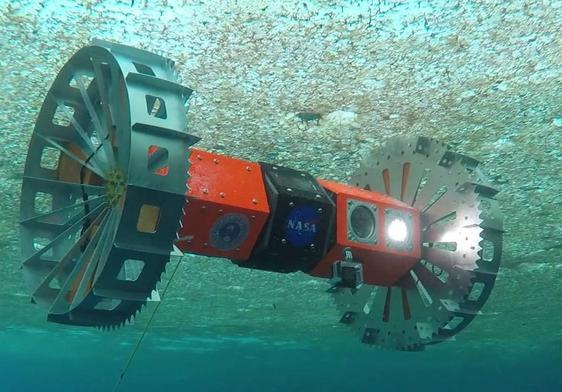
(411,246)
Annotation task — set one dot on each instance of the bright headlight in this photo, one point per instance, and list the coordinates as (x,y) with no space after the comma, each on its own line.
(397,230)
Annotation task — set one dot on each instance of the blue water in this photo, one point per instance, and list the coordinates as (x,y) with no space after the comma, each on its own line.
(93,363)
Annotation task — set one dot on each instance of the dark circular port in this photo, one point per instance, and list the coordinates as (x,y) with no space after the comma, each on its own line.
(362,221)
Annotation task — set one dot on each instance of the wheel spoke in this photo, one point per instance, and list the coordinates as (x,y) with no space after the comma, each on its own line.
(421,290)
(44,294)
(72,156)
(108,243)
(35,258)
(447,260)
(88,278)
(102,84)
(104,136)
(92,150)
(61,216)
(63,186)
(451,288)
(62,303)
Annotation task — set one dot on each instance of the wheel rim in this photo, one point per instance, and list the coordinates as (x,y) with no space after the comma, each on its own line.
(104,185)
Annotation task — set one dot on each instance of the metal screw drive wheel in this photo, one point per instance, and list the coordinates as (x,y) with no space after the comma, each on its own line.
(461,238)
(104,185)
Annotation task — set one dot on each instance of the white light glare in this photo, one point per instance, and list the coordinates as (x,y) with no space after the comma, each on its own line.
(397,230)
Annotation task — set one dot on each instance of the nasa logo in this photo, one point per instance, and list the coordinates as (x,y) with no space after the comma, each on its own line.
(302,226)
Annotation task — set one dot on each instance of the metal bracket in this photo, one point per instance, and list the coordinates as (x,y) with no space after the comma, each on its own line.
(347,272)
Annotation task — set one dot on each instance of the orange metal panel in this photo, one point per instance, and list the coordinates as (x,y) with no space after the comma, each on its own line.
(221,179)
(218,187)
(381,265)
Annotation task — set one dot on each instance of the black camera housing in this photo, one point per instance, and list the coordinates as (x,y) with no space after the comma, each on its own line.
(300,226)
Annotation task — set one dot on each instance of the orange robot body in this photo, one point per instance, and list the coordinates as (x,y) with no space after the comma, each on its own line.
(363,221)
(226,206)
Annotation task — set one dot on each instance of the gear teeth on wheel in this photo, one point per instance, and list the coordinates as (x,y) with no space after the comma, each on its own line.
(448,189)
(104,185)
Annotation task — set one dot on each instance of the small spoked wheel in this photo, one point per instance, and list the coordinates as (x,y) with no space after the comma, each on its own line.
(461,247)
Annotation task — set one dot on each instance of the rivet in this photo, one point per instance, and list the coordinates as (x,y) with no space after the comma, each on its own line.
(203,207)
(205,244)
(253,217)
(254,201)
(222,194)
(199,158)
(248,168)
(237,249)
(283,241)
(274,167)
(289,190)
(291,204)
(320,210)
(205,191)
(220,211)
(312,246)
(216,161)
(318,196)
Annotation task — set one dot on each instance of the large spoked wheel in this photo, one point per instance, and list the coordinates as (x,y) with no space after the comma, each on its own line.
(461,238)
(104,185)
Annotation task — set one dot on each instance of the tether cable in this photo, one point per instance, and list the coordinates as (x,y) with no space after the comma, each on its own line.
(139,342)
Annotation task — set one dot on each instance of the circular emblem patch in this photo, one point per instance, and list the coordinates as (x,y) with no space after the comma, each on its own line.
(302,226)
(229,231)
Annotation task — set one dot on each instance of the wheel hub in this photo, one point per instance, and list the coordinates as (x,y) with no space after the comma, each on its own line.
(115,186)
